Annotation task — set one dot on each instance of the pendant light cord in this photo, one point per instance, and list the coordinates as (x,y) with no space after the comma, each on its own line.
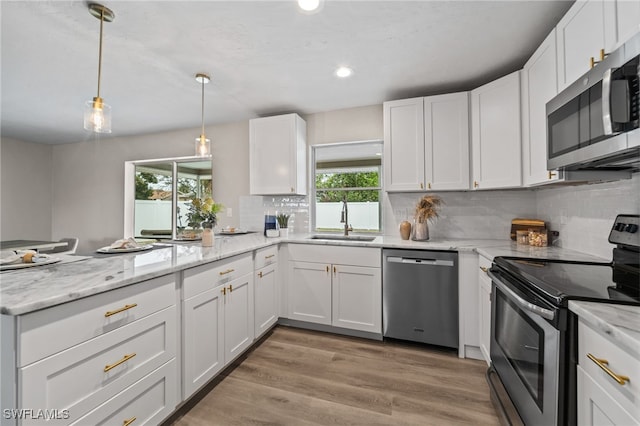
(201,137)
(100,50)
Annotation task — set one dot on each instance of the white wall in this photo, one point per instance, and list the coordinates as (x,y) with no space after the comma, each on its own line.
(25,190)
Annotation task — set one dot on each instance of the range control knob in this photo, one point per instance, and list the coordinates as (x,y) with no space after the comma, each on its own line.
(632,228)
(620,226)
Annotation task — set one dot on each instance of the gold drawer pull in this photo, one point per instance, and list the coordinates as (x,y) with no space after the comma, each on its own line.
(117,311)
(260,274)
(270,256)
(228,271)
(128,421)
(327,268)
(475,184)
(117,363)
(421,185)
(552,175)
(224,291)
(484,269)
(335,270)
(603,363)
(230,288)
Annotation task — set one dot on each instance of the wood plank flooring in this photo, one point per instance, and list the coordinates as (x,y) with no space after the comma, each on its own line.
(300,377)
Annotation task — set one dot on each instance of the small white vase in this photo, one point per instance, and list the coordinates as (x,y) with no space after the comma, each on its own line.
(420,231)
(284,232)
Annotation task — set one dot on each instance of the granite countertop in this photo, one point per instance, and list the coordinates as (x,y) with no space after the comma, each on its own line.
(619,322)
(37,288)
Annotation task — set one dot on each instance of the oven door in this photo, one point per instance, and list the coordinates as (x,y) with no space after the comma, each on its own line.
(525,349)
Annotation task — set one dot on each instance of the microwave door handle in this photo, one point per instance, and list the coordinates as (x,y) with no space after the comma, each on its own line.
(606,102)
(528,306)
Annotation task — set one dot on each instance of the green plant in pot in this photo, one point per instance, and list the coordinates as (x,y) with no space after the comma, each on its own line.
(426,210)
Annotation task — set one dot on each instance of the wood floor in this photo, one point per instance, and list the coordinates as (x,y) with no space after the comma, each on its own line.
(299,377)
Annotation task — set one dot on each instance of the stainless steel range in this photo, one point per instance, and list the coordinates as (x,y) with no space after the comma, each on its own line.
(534,335)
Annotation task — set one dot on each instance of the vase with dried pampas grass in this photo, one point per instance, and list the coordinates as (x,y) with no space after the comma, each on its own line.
(426,210)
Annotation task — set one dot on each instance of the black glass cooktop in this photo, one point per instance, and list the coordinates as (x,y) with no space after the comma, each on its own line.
(560,281)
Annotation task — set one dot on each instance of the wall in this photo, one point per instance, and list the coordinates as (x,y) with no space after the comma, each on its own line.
(584,214)
(89,178)
(25,190)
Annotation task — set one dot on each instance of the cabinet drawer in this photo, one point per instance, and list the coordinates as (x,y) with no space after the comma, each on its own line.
(266,256)
(149,401)
(76,379)
(342,255)
(620,362)
(484,262)
(202,278)
(44,333)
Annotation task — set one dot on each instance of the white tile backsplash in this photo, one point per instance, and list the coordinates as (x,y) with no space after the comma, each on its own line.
(253,208)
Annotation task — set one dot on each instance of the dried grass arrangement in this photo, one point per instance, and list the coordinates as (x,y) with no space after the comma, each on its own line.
(427,208)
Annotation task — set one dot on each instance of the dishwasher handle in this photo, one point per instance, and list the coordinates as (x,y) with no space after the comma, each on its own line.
(416,261)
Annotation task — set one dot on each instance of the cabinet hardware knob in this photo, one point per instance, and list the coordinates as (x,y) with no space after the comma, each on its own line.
(552,174)
(260,274)
(230,288)
(127,422)
(484,269)
(224,291)
(603,363)
(117,311)
(117,363)
(228,271)
(421,185)
(475,183)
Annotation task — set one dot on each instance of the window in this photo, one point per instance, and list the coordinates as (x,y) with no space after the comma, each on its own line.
(351,172)
(157,191)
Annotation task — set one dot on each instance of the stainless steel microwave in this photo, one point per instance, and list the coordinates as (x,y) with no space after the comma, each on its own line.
(594,123)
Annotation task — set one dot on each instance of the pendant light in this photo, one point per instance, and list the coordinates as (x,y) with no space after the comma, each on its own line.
(203,145)
(97,114)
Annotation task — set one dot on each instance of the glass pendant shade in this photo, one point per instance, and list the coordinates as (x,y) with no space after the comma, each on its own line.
(203,146)
(97,116)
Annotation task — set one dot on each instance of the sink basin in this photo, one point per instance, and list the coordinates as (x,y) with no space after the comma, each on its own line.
(343,237)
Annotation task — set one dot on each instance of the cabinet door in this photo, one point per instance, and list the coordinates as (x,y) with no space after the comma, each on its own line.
(277,155)
(581,35)
(203,331)
(539,86)
(484,304)
(238,317)
(621,22)
(446,136)
(495,114)
(357,298)
(596,407)
(404,145)
(309,288)
(266,299)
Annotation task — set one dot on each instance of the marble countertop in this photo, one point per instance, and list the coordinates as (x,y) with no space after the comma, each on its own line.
(29,290)
(620,322)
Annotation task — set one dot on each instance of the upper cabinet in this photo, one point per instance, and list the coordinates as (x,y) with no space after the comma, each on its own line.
(539,85)
(277,155)
(589,27)
(426,143)
(495,134)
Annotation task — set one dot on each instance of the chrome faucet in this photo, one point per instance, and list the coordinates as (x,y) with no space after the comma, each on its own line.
(344,217)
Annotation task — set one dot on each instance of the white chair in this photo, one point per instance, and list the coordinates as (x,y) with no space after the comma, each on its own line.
(70,248)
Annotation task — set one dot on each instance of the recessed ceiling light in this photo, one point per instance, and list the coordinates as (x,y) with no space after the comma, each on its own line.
(308,5)
(344,72)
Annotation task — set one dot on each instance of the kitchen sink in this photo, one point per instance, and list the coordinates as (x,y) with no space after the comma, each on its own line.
(342,237)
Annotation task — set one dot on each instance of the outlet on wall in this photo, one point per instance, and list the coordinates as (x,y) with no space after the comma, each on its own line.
(563,217)
(229,212)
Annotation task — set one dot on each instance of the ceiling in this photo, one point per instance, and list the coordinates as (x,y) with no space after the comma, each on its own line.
(264,57)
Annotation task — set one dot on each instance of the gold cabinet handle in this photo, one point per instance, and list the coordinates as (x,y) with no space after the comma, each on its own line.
(335,270)
(484,269)
(224,291)
(117,363)
(230,288)
(429,185)
(552,175)
(228,271)
(127,422)
(270,256)
(117,311)
(592,60)
(475,183)
(292,190)
(327,268)
(603,363)
(260,274)
(421,185)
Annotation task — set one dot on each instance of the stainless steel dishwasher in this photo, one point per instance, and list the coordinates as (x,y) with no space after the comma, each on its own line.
(420,296)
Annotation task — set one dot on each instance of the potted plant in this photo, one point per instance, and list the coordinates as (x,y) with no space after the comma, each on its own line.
(283,223)
(426,210)
(203,213)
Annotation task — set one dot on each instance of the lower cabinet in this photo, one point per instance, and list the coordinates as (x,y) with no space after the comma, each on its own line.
(217,323)
(484,305)
(266,287)
(596,407)
(346,294)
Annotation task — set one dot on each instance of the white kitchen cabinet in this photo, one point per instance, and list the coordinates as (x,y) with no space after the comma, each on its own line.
(310,292)
(468,309)
(539,86)
(217,318)
(426,142)
(277,155)
(625,18)
(266,289)
(335,285)
(496,134)
(601,399)
(484,308)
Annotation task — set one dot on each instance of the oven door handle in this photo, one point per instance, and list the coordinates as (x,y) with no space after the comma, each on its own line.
(607,122)
(531,307)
